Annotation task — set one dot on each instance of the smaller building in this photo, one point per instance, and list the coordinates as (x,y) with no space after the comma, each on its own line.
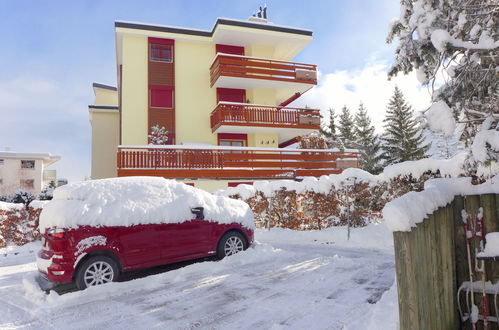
(25,171)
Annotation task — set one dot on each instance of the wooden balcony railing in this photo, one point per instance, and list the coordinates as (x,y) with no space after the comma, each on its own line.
(230,162)
(242,114)
(259,68)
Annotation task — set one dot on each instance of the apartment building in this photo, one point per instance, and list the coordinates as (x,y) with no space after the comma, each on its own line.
(25,171)
(223,97)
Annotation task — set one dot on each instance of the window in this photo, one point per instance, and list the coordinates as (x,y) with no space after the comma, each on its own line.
(160,53)
(27,164)
(161,97)
(1,161)
(27,183)
(232,143)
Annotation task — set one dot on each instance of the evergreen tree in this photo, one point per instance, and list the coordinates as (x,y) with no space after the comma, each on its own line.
(159,135)
(403,138)
(346,128)
(458,37)
(329,132)
(367,142)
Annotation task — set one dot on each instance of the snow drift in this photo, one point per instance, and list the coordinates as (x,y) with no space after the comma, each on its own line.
(137,200)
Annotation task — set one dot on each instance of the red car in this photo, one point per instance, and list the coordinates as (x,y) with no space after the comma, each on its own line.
(96,254)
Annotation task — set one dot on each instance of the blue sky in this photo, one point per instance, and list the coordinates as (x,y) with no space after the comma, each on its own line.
(52,51)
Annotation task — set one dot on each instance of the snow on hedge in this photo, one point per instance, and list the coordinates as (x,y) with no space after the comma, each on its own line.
(4,206)
(449,168)
(137,200)
(407,211)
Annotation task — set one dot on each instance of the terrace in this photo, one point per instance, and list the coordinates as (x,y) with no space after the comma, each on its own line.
(192,162)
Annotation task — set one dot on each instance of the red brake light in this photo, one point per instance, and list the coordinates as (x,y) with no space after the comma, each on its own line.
(56,233)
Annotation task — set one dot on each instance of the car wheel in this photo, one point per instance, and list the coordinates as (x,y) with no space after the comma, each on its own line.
(95,271)
(231,243)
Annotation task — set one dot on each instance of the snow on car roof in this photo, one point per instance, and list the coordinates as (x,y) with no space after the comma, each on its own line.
(137,200)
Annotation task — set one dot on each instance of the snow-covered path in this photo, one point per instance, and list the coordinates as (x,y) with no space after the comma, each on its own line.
(288,280)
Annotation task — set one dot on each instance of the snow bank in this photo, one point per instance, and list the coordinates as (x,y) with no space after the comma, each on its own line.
(412,208)
(449,167)
(137,200)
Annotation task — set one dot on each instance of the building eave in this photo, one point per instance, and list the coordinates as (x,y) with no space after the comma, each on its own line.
(204,33)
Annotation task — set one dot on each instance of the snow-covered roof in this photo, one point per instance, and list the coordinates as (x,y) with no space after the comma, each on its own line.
(137,200)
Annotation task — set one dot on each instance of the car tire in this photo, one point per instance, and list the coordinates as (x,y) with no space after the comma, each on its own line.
(95,271)
(231,243)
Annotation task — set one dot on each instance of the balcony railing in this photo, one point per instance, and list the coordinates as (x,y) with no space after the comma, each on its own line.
(242,114)
(259,68)
(230,162)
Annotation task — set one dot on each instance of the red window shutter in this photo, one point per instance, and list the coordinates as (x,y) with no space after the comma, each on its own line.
(161,97)
(228,49)
(231,95)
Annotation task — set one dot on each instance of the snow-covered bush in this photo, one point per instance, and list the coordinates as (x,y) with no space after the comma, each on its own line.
(18,225)
(47,192)
(328,201)
(22,197)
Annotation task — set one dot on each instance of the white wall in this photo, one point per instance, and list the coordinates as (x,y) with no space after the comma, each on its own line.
(11,173)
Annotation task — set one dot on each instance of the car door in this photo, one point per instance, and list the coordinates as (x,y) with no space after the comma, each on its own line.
(140,244)
(188,238)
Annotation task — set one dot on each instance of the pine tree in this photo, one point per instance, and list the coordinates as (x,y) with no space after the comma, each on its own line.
(159,135)
(346,128)
(329,132)
(458,37)
(403,138)
(367,142)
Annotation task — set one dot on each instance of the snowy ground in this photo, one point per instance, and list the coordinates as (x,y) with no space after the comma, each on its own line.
(288,280)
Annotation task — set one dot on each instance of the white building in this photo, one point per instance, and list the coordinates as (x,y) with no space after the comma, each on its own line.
(25,171)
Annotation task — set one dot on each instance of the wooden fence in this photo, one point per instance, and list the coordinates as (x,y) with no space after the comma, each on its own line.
(431,264)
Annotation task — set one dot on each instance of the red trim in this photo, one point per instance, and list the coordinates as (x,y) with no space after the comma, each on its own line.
(235,184)
(189,184)
(232,136)
(161,41)
(228,49)
(291,99)
(288,143)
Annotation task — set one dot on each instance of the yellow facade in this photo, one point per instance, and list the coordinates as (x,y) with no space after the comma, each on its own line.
(105,140)
(134,96)
(194,99)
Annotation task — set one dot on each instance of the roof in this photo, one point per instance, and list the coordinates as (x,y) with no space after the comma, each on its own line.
(205,33)
(47,158)
(97,85)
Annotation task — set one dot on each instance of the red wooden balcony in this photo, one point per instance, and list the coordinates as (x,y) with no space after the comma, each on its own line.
(236,66)
(230,162)
(242,114)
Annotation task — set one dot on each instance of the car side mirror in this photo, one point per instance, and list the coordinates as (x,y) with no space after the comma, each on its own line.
(199,212)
